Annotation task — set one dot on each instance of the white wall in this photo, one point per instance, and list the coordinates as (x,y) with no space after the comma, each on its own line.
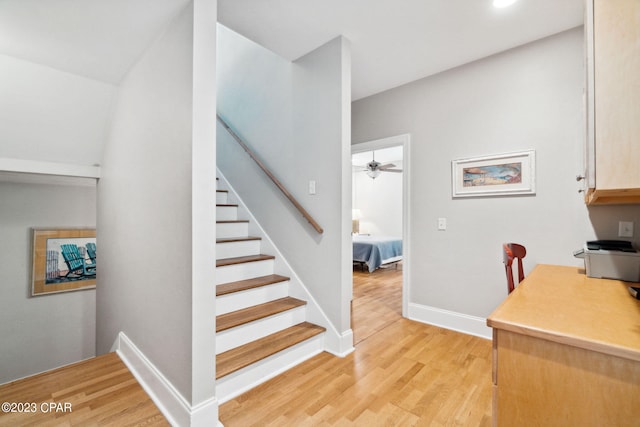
(156,280)
(296,116)
(44,332)
(51,115)
(322,136)
(525,98)
(254,86)
(380,202)
(203,211)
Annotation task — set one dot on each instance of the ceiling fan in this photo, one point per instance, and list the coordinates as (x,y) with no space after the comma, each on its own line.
(373,168)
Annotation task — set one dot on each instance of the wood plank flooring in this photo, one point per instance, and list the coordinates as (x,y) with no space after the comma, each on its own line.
(377,300)
(402,373)
(95,392)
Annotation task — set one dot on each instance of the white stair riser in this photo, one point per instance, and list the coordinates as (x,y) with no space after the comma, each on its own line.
(226,213)
(221,197)
(235,384)
(250,297)
(248,270)
(243,334)
(232,229)
(236,249)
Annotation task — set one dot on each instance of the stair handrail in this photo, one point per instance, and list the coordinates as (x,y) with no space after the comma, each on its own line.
(271,176)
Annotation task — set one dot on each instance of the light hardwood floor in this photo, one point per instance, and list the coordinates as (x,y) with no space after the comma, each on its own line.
(377,300)
(96,392)
(402,373)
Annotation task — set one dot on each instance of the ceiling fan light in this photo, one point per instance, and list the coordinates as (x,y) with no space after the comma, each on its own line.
(373,174)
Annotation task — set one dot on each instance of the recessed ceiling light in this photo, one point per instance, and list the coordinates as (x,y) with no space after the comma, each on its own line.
(503,3)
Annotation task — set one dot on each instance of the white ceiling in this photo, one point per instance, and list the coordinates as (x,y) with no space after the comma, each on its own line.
(99,39)
(394,42)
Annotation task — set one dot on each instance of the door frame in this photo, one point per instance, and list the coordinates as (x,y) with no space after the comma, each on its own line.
(405,141)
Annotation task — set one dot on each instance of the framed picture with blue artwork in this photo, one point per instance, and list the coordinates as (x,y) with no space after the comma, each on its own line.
(63,260)
(508,174)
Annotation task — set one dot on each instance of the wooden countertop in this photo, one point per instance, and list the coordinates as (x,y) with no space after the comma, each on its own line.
(563,305)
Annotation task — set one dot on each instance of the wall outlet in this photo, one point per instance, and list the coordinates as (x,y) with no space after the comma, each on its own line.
(312,187)
(625,229)
(442,224)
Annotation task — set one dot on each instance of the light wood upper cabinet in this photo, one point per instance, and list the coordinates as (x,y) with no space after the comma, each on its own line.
(612,29)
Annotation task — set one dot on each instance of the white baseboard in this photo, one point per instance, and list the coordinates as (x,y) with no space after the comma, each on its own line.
(340,345)
(166,397)
(459,322)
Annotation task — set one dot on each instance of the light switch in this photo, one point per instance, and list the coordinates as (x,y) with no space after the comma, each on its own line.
(625,229)
(442,224)
(312,187)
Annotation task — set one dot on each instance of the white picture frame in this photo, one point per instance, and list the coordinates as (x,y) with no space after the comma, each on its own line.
(508,174)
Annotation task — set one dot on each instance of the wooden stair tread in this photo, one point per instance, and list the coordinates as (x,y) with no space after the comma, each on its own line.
(230,205)
(243,356)
(256,312)
(242,259)
(243,285)
(237,239)
(231,221)
(222,191)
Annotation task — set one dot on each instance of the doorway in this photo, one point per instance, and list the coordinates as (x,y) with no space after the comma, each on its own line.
(388,212)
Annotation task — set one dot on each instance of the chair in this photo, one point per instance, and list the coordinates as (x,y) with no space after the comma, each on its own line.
(76,262)
(512,251)
(91,253)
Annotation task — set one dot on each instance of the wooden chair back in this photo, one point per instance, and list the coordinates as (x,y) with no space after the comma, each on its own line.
(513,251)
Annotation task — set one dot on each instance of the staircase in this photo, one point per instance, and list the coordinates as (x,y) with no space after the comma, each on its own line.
(260,330)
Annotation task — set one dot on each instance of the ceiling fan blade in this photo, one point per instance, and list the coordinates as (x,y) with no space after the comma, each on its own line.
(393,170)
(387,166)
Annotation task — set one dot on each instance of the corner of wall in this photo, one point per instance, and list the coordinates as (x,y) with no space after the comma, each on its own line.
(167,398)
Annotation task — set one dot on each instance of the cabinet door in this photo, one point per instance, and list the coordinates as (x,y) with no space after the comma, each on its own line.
(544,383)
(616,92)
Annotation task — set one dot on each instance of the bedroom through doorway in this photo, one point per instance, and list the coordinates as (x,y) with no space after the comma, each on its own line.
(380,179)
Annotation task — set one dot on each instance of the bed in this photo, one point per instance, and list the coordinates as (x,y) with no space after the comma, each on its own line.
(375,251)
